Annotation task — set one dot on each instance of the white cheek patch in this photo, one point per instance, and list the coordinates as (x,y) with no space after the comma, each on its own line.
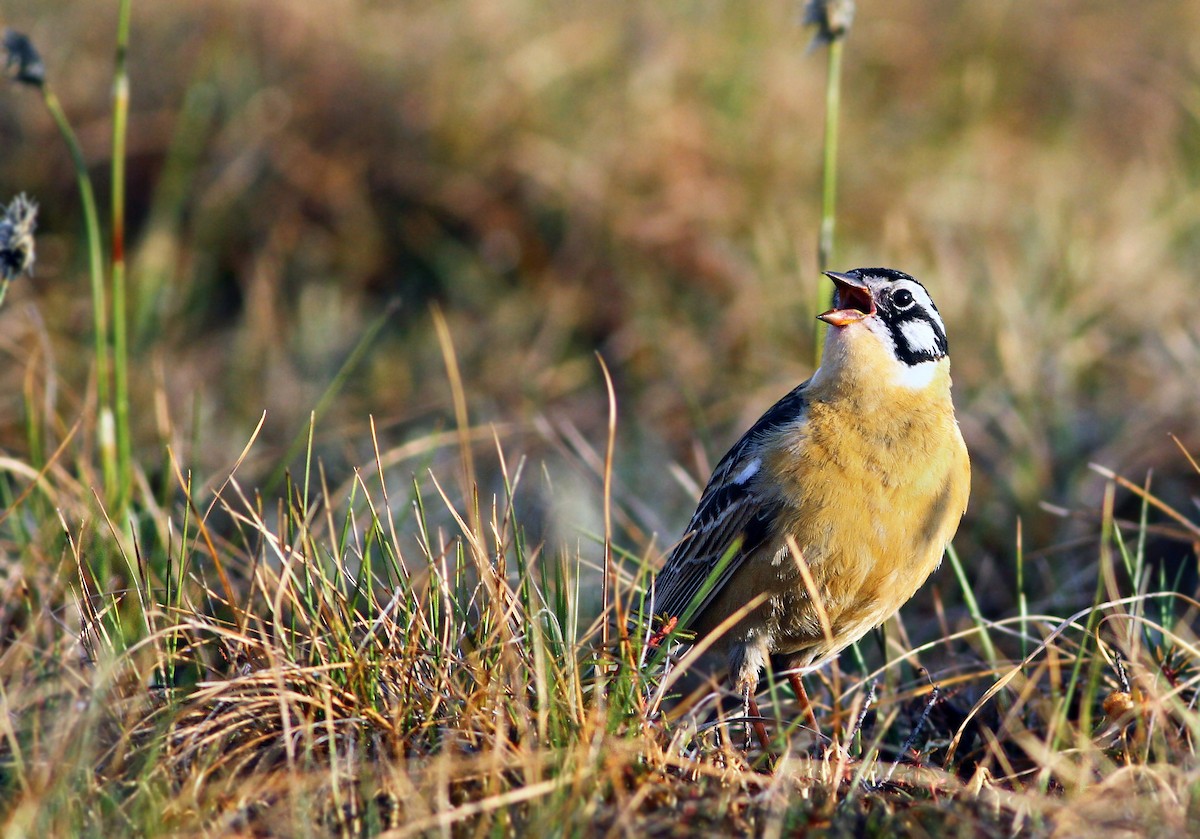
(750,470)
(920,336)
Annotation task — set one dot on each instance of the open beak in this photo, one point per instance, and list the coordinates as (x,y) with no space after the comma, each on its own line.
(852,301)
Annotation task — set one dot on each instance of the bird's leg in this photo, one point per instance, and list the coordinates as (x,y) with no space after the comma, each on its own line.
(754,720)
(802,699)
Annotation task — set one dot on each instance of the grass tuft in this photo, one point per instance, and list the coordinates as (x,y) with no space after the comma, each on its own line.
(344,676)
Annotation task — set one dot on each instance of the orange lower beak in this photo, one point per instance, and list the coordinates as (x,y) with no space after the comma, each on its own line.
(852,303)
(841,317)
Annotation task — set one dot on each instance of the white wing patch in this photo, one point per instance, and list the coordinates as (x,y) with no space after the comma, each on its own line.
(748,472)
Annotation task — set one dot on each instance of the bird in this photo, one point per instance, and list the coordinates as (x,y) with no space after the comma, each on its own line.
(829,513)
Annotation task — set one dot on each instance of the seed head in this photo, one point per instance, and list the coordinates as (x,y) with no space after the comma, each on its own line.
(17,224)
(832,18)
(22,62)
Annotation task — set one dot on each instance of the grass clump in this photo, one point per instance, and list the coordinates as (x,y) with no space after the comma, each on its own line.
(377,660)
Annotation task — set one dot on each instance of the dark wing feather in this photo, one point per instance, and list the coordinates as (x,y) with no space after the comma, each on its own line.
(737,516)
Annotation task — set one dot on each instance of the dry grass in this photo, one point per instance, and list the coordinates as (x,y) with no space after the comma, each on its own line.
(322,669)
(298,637)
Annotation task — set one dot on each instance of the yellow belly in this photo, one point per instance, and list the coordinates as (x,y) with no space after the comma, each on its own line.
(872,496)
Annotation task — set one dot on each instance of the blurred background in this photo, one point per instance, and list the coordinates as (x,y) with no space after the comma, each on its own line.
(639,181)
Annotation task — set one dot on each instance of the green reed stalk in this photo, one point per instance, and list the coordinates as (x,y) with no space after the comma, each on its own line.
(832,19)
(833,107)
(119,297)
(1088,692)
(985,637)
(25,66)
(91,217)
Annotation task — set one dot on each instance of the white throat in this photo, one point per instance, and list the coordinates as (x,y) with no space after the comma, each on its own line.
(915,376)
(838,351)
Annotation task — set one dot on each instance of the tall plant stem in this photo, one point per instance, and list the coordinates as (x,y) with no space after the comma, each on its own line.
(833,103)
(120,306)
(91,217)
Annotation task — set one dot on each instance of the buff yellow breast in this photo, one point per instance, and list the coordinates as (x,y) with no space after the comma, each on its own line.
(875,479)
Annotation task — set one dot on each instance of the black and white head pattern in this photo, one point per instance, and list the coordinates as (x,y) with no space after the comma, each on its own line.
(914,325)
(901,315)
(905,316)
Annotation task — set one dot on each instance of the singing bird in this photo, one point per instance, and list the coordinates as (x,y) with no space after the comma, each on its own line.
(834,508)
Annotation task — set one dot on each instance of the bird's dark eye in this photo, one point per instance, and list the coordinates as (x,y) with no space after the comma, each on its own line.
(903,298)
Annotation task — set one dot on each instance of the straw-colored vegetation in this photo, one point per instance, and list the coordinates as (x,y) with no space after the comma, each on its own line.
(309,471)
